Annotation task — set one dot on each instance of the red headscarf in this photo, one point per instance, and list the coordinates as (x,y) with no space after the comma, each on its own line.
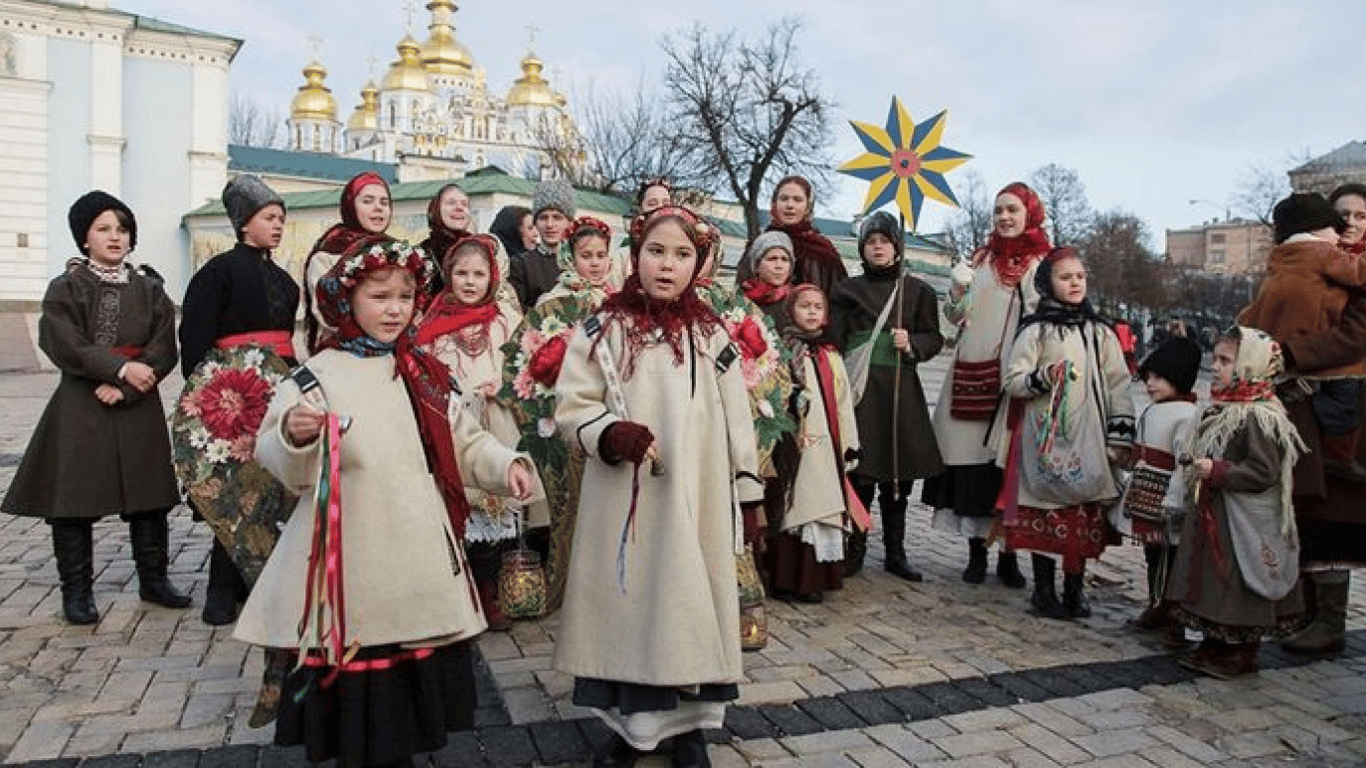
(441,237)
(1011,257)
(447,314)
(808,244)
(342,236)
(427,379)
(686,314)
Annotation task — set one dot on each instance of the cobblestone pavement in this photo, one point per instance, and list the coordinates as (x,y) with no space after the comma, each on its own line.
(883,673)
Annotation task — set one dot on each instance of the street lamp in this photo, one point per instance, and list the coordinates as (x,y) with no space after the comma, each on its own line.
(1215,206)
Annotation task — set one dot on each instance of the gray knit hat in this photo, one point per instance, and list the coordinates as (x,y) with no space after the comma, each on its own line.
(764,243)
(886,224)
(244,196)
(556,194)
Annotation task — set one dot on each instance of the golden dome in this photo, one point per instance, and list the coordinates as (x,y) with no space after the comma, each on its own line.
(366,115)
(314,100)
(442,53)
(532,90)
(408,72)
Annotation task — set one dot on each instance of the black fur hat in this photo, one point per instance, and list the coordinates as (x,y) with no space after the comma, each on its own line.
(1177,360)
(88,207)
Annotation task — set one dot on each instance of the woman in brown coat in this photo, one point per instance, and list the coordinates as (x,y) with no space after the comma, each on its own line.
(101,447)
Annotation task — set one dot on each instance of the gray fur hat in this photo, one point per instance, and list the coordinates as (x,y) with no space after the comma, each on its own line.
(886,224)
(765,242)
(555,193)
(244,196)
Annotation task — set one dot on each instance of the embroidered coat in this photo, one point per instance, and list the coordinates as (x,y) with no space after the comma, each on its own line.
(1161,428)
(1100,391)
(87,459)
(677,623)
(405,575)
(818,491)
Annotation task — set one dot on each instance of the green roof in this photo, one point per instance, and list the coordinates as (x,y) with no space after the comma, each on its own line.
(157,25)
(309,165)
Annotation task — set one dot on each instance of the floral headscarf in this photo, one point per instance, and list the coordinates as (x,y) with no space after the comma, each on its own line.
(1011,257)
(584,226)
(447,314)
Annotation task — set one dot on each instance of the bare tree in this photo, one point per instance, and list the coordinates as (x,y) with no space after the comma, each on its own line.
(969,226)
(1064,199)
(249,125)
(744,112)
(1123,272)
(621,142)
(1258,192)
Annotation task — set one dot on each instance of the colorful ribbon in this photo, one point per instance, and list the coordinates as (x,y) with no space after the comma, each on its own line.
(324,619)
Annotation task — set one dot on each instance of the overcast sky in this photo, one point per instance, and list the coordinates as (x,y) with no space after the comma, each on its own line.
(1153,102)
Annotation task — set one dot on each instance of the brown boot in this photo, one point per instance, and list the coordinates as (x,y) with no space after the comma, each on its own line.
(1326,633)
(493,613)
(1340,457)
(1154,617)
(1224,660)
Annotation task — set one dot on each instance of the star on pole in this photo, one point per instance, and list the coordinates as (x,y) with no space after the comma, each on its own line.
(904,162)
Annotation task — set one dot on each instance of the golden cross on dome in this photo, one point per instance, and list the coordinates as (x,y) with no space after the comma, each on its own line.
(371,61)
(410,7)
(531,30)
(315,46)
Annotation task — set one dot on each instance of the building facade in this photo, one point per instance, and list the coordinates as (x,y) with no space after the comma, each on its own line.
(1231,247)
(434,115)
(87,90)
(1323,174)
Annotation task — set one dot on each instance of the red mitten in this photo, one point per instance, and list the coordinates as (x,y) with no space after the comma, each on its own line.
(625,441)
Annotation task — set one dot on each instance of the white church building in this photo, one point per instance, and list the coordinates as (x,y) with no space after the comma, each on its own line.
(97,98)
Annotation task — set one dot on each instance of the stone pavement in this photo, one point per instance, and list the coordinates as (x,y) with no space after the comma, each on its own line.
(883,673)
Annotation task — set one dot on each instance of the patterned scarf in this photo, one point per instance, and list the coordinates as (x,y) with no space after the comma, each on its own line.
(1011,257)
(447,314)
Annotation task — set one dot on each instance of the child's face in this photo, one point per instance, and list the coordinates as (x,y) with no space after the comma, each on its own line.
(1069,281)
(107,240)
(1225,352)
(591,260)
(372,208)
(383,303)
(808,311)
(265,228)
(655,197)
(551,223)
(1009,215)
(667,259)
(878,250)
(1159,389)
(774,267)
(470,276)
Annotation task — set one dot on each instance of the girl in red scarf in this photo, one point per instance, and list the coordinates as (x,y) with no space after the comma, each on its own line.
(815,259)
(465,327)
(367,585)
(769,259)
(365,215)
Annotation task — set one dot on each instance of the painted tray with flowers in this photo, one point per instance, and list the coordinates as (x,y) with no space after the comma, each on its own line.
(213,441)
(764,360)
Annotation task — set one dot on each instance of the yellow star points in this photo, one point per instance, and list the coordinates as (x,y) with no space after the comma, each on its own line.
(904,162)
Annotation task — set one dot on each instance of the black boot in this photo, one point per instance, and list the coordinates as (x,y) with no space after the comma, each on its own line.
(1074,602)
(71,543)
(226,588)
(976,572)
(893,506)
(616,753)
(150,537)
(690,750)
(1044,602)
(1008,570)
(855,549)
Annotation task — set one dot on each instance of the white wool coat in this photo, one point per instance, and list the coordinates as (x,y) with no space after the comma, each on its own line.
(818,492)
(987,316)
(677,623)
(405,576)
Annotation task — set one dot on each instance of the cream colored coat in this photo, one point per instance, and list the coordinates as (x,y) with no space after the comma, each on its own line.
(818,493)
(986,316)
(475,373)
(677,623)
(1102,384)
(405,575)
(315,268)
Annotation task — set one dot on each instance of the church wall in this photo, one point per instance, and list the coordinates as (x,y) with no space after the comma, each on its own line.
(68,158)
(23,162)
(156,166)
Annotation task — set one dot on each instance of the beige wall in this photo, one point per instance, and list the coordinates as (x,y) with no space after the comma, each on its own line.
(1228,248)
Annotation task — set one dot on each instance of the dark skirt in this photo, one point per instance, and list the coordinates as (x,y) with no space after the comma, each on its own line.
(793,568)
(1331,542)
(380,715)
(969,490)
(631,698)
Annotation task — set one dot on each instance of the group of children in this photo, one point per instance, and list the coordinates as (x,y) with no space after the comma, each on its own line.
(432,424)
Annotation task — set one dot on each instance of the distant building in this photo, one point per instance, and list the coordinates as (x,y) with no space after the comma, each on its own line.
(1232,247)
(1323,174)
(434,116)
(96,98)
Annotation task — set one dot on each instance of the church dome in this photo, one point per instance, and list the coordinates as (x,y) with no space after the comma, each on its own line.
(407,73)
(314,101)
(443,54)
(366,115)
(532,90)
